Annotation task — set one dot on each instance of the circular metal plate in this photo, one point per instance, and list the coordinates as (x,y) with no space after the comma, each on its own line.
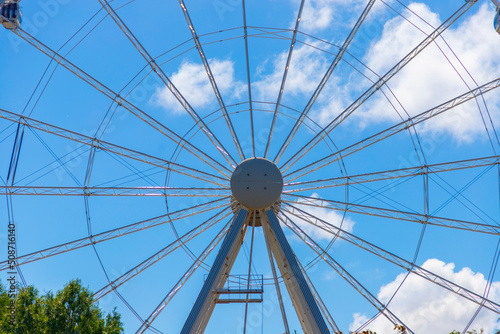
(257,183)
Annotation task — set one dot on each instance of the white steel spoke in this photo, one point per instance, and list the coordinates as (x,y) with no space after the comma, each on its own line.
(275,277)
(324,81)
(342,272)
(111,148)
(318,299)
(118,232)
(250,102)
(184,278)
(254,215)
(116,191)
(377,85)
(341,181)
(402,126)
(212,80)
(283,80)
(393,214)
(392,258)
(119,100)
(162,253)
(167,82)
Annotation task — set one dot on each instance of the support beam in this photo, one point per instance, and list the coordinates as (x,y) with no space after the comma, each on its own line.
(393,130)
(376,86)
(283,79)
(182,281)
(344,274)
(152,191)
(324,81)
(112,148)
(307,309)
(180,242)
(205,303)
(394,259)
(121,101)
(385,175)
(393,214)
(167,82)
(211,78)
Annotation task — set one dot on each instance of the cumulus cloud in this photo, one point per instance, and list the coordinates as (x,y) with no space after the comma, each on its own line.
(330,216)
(427,308)
(319,15)
(430,79)
(192,81)
(307,67)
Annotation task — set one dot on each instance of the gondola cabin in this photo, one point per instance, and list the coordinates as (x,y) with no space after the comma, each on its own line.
(11,14)
(496,22)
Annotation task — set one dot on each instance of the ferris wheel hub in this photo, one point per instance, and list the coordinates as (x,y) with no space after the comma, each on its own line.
(257,183)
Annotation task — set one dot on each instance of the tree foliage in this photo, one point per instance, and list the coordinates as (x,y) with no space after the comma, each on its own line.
(70,311)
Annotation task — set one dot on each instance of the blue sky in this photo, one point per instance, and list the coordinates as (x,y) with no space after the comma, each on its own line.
(466,57)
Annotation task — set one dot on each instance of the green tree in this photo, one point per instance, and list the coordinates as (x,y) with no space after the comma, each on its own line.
(70,311)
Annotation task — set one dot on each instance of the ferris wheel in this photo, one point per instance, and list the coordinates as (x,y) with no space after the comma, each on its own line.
(212,168)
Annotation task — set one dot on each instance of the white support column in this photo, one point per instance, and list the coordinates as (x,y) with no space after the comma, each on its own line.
(305,305)
(205,303)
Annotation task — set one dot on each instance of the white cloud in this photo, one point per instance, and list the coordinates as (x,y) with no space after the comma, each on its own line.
(307,67)
(429,79)
(330,216)
(319,15)
(427,308)
(192,81)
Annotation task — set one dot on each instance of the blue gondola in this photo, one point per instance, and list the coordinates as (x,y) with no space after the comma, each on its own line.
(496,22)
(11,14)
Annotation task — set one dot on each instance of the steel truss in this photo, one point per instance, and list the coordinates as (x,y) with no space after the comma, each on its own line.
(118,232)
(411,122)
(394,214)
(408,172)
(324,81)
(303,299)
(122,102)
(390,257)
(375,87)
(162,253)
(211,78)
(313,315)
(116,191)
(168,83)
(342,272)
(112,148)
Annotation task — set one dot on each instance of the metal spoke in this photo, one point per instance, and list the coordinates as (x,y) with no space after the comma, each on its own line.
(254,214)
(390,174)
(318,299)
(184,278)
(324,81)
(285,74)
(390,257)
(212,81)
(402,126)
(250,103)
(121,101)
(342,272)
(117,232)
(115,149)
(167,82)
(377,85)
(394,214)
(299,290)
(116,191)
(275,277)
(162,253)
